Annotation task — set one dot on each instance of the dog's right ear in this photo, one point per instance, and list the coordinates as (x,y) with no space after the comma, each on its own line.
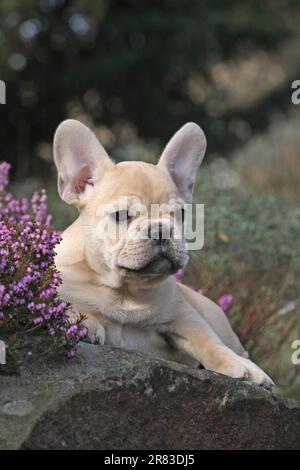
(80,160)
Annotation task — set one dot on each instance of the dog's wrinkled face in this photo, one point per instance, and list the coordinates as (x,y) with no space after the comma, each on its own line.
(135,211)
(132,212)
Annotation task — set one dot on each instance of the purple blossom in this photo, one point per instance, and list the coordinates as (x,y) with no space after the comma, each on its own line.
(28,279)
(71,353)
(39,208)
(226,302)
(179,275)
(4,175)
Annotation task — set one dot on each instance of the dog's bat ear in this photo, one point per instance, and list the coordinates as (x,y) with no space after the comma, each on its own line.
(182,157)
(80,160)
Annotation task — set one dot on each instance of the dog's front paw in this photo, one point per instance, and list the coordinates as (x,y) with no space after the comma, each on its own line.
(96,332)
(257,375)
(242,368)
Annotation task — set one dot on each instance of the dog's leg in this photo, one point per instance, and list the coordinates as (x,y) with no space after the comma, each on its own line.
(192,334)
(215,317)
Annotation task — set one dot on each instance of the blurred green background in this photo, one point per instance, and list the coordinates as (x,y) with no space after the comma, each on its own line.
(135,71)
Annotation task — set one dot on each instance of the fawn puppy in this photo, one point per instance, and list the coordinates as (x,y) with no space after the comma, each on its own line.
(118,267)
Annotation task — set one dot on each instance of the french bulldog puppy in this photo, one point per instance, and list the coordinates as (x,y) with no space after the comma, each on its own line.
(123,282)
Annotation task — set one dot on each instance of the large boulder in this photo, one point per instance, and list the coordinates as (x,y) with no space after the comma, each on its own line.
(113,399)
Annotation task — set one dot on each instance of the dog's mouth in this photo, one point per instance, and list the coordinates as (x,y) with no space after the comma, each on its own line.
(161,264)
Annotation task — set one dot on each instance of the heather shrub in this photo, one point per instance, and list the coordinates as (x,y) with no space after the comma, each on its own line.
(33,320)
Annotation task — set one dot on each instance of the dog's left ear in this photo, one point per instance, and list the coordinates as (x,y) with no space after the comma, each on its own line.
(182,157)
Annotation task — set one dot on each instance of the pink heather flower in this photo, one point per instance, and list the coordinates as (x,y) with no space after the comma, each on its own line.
(39,208)
(28,279)
(179,275)
(71,354)
(4,175)
(226,302)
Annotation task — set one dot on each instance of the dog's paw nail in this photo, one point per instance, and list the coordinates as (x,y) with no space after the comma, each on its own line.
(268,385)
(98,340)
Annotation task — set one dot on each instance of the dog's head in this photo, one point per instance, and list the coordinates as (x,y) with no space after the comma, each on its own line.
(131,212)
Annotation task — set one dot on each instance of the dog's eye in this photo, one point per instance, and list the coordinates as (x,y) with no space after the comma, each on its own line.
(120,216)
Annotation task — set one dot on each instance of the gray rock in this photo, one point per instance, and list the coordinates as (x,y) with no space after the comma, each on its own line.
(112,399)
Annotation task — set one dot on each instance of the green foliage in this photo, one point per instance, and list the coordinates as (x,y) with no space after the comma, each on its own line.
(263,231)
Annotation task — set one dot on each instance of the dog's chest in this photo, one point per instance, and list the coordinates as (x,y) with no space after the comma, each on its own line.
(145,339)
(132,337)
